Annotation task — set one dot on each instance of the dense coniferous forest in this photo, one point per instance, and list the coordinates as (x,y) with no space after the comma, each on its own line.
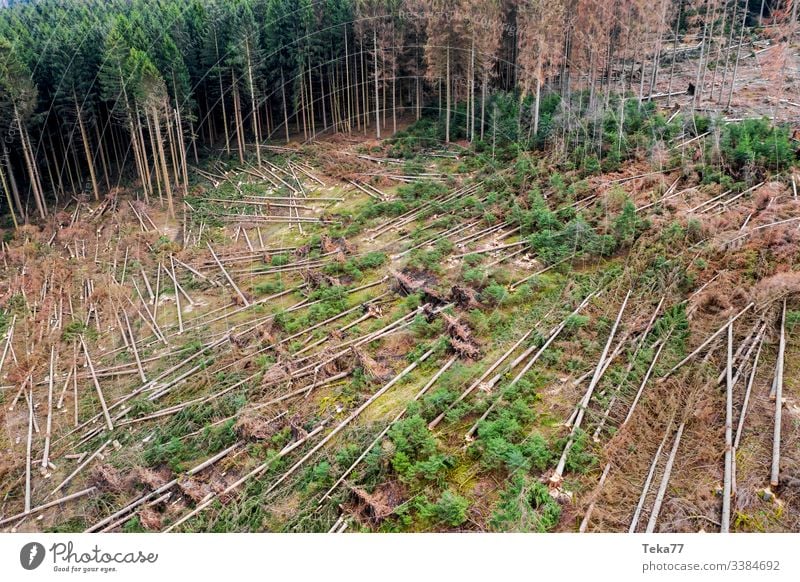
(95,94)
(400,265)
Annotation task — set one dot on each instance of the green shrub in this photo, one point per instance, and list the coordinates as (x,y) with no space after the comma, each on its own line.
(580,459)
(450,509)
(269,287)
(279,260)
(627,224)
(474,277)
(792,319)
(753,146)
(525,506)
(416,457)
(494,294)
(76,328)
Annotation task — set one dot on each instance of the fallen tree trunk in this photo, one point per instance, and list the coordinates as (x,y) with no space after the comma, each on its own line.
(49,427)
(100,396)
(776,435)
(747,393)
(481,378)
(80,467)
(557,474)
(385,431)
(228,277)
(651,523)
(260,469)
(349,419)
(710,339)
(725,519)
(647,482)
(40,508)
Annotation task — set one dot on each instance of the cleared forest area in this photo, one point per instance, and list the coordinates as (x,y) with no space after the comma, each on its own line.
(341,267)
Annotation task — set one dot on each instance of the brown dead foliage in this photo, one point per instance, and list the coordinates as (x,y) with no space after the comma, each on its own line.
(194,489)
(405,284)
(461,337)
(373,368)
(373,508)
(464,297)
(151,479)
(712,302)
(396,346)
(107,478)
(631,450)
(316,279)
(783,243)
(277,372)
(408,284)
(772,288)
(338,245)
(238,300)
(255,425)
(342,165)
(150,519)
(465,349)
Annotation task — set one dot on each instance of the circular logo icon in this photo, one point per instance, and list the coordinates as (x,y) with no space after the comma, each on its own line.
(31,555)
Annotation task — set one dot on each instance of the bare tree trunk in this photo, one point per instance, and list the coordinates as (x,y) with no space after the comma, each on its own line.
(49,428)
(674,50)
(364,99)
(145,164)
(222,100)
(156,165)
(483,102)
(137,158)
(657,55)
(101,150)
(237,110)
(719,48)
(171,139)
(377,97)
(30,163)
(13,183)
(302,112)
(662,489)
(285,111)
(7,192)
(256,133)
(311,117)
(537,105)
(349,102)
(471,112)
(28,454)
(182,150)
(394,94)
(418,85)
(698,84)
(447,81)
(86,149)
(162,157)
(736,62)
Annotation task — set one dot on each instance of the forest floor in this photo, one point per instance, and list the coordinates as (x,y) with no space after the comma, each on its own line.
(338,339)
